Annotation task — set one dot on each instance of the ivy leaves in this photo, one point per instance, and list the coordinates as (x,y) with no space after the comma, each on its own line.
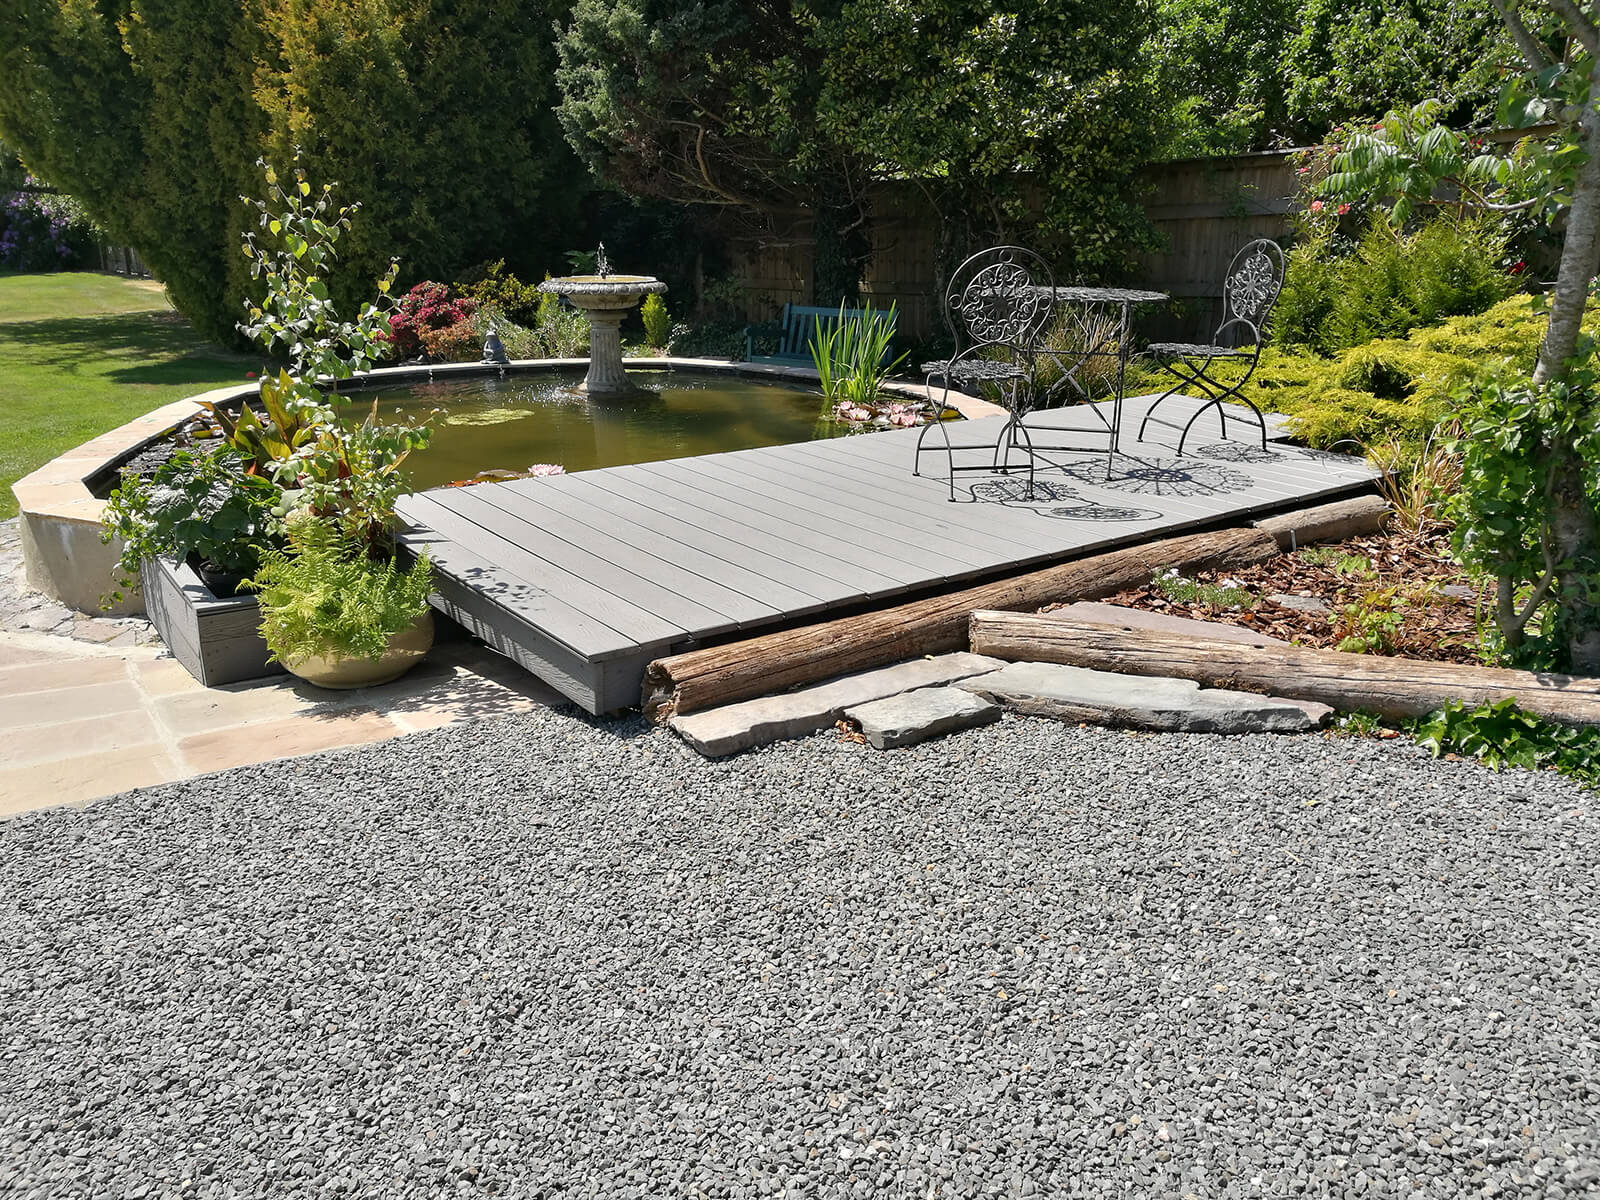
(1502,735)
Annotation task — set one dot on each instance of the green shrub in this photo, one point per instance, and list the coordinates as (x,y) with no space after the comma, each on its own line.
(197,502)
(1394,389)
(437,117)
(657,322)
(1389,284)
(1306,302)
(1503,735)
(712,339)
(492,286)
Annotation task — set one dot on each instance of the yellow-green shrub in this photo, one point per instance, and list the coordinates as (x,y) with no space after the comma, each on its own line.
(1394,389)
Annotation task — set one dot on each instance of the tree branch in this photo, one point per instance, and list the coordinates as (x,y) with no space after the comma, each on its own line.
(1578,21)
(1536,56)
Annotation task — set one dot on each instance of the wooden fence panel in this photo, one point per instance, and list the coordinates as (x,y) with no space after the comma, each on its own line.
(1204,210)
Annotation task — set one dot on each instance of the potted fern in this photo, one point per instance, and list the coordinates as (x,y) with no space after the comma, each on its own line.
(337,616)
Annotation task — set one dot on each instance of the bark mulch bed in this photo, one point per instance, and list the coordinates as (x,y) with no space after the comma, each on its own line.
(1397,592)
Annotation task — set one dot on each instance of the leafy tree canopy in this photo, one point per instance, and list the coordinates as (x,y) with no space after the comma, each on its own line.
(435,117)
(1258,74)
(758,106)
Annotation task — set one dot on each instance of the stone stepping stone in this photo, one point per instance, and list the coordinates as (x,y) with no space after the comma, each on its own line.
(1142,701)
(750,723)
(1140,618)
(913,717)
(1304,604)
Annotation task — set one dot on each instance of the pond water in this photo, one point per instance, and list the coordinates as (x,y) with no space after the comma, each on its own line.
(510,423)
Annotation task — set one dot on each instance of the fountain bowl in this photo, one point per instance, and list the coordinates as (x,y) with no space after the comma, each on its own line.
(606,298)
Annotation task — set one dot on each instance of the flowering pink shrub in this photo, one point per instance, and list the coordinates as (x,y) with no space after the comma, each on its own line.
(426,308)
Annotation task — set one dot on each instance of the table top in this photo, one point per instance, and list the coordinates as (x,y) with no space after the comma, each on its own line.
(1105,295)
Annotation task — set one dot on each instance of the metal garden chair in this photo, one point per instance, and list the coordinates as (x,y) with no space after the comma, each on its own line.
(996,307)
(1249,292)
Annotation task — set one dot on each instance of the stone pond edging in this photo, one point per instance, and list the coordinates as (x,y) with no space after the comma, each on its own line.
(60,517)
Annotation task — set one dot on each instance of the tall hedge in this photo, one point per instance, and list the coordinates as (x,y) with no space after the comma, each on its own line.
(434,114)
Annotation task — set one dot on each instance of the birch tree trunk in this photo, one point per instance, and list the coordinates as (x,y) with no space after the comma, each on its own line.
(1574,526)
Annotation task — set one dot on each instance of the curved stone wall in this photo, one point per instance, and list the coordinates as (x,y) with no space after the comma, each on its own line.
(60,518)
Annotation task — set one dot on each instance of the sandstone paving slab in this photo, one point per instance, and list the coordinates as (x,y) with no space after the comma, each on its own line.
(1139,618)
(84,776)
(89,734)
(25,710)
(750,723)
(919,715)
(1141,701)
(286,738)
(59,673)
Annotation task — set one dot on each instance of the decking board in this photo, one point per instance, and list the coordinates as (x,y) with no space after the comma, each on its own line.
(584,578)
(769,536)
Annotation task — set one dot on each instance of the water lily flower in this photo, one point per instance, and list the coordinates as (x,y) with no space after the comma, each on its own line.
(539,469)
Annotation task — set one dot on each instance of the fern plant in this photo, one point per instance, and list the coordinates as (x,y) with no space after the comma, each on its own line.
(324,597)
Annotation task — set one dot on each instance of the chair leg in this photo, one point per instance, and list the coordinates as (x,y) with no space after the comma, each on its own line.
(949,451)
(1219,403)
(1161,399)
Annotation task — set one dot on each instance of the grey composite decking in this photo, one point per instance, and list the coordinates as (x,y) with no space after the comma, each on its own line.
(585,578)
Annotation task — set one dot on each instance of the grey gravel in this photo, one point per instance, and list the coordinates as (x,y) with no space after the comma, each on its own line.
(547,956)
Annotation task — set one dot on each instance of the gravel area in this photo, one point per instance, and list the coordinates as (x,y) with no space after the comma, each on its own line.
(546,956)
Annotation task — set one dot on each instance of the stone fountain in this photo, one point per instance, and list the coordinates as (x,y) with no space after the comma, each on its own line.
(606,298)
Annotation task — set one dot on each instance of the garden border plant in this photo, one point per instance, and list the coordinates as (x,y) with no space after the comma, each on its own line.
(332,479)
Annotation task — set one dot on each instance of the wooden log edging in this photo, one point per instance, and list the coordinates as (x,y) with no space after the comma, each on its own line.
(1355,517)
(774,662)
(1395,688)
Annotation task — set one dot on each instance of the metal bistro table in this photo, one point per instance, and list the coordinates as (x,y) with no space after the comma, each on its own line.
(1100,339)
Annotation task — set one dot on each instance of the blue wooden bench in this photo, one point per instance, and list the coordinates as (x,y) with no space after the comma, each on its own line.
(797,329)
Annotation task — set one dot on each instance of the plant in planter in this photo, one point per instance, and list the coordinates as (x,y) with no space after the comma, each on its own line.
(335,615)
(199,504)
(336,607)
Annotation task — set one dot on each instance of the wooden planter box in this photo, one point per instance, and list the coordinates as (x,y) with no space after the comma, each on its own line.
(217,640)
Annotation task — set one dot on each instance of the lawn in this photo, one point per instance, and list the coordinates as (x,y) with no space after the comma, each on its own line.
(81,354)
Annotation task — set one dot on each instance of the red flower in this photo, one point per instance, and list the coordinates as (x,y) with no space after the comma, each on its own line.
(1316,206)
(1517,268)
(1343,209)
(249,374)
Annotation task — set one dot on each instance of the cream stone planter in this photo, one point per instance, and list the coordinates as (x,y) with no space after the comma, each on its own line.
(406,649)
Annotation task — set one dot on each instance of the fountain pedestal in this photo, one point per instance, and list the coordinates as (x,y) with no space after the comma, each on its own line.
(606,299)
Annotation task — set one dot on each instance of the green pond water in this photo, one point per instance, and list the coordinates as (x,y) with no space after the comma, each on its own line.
(511,423)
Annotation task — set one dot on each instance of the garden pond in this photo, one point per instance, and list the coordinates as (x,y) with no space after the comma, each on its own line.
(514,422)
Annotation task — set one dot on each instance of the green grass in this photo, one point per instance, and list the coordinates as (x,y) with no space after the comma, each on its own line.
(81,354)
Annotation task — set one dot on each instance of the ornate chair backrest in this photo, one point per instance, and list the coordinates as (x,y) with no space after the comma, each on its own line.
(1254,279)
(999,297)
